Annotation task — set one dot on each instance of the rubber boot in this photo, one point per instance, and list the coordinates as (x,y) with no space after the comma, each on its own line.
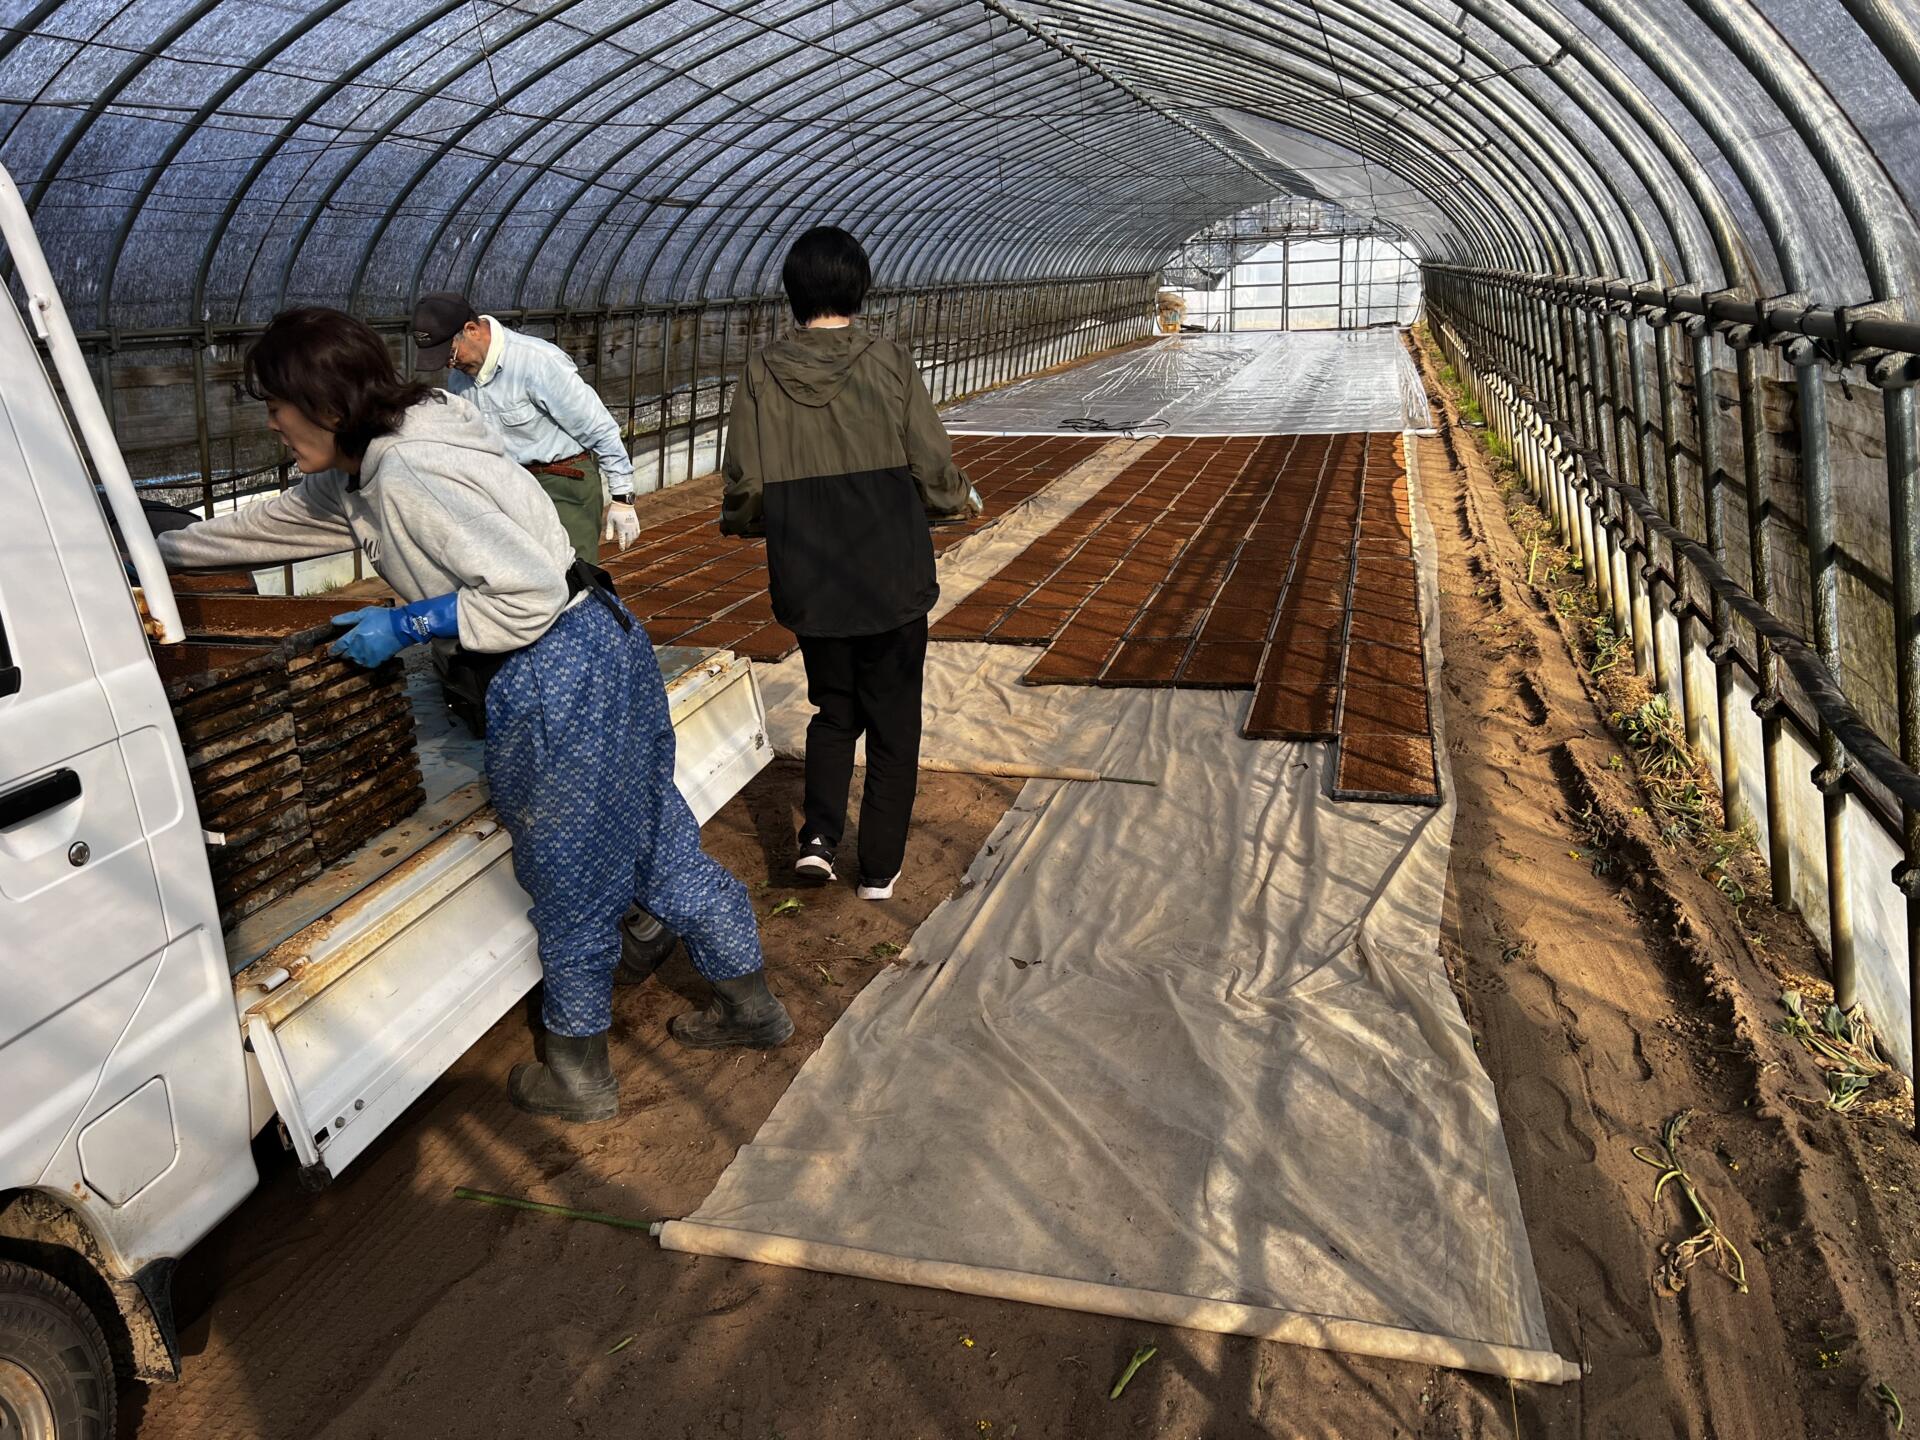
(645,945)
(576,1082)
(742,1012)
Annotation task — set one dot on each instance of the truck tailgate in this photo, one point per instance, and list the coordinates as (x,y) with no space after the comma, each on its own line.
(424,941)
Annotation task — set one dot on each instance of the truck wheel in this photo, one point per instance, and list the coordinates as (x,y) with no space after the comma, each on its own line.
(56,1375)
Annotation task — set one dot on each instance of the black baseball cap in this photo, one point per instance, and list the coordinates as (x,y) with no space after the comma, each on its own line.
(437,318)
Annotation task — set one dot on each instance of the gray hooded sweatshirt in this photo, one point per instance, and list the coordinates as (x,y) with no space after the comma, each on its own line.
(437,507)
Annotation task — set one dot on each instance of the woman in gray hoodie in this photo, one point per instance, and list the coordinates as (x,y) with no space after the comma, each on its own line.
(580,747)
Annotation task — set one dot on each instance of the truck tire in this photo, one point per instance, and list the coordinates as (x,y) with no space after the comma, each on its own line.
(56,1374)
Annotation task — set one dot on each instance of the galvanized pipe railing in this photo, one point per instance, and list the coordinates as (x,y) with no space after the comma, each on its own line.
(1520,350)
(673,385)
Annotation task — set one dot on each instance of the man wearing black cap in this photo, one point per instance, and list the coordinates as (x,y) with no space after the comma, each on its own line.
(553,422)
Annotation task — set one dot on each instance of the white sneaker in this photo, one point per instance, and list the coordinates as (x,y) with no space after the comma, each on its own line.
(814,865)
(877,889)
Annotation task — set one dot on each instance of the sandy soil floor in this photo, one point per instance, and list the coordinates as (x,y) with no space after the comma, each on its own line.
(1610,983)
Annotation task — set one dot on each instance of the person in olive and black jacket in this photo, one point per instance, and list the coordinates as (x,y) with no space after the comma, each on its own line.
(836,454)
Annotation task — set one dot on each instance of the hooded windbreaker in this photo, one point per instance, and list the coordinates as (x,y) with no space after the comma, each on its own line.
(437,507)
(836,454)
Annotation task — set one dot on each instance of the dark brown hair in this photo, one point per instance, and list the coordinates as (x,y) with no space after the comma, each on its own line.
(337,371)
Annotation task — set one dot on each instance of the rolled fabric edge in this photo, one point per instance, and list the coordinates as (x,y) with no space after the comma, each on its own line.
(1224,1317)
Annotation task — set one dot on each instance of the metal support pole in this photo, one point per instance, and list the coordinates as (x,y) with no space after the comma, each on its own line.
(633,380)
(1600,500)
(937,350)
(1655,660)
(666,399)
(959,340)
(598,341)
(1029,344)
(1768,703)
(1011,306)
(1286,282)
(1706,393)
(1691,702)
(990,357)
(914,317)
(985,320)
(1816,478)
(1579,496)
(1562,356)
(725,405)
(1903,487)
(693,386)
(966,356)
(1025,345)
(974,318)
(202,425)
(1620,446)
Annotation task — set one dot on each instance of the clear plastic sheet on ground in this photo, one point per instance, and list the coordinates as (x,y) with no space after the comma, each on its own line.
(1184,1053)
(1258,383)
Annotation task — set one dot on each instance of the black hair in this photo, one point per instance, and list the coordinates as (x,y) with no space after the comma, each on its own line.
(826,274)
(336,371)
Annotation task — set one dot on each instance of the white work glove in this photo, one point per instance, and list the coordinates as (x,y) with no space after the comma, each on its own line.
(975,505)
(619,524)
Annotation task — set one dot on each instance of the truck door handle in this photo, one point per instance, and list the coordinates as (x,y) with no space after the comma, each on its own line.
(9,672)
(36,797)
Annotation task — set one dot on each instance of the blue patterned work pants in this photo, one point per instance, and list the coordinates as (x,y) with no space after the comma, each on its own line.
(580,763)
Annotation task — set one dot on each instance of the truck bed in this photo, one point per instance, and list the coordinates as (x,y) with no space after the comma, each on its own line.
(357,990)
(451,763)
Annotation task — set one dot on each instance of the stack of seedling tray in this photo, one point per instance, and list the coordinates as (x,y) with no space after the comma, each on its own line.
(297,758)
(360,769)
(235,716)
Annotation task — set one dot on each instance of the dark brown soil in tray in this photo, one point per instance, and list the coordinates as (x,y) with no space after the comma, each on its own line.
(1032,624)
(1167,623)
(1145,662)
(1370,707)
(1398,767)
(1400,632)
(1283,711)
(1236,626)
(1231,665)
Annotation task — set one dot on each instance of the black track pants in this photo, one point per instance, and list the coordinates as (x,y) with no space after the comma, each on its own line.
(865,684)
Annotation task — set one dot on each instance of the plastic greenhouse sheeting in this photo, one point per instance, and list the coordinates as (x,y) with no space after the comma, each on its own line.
(199,162)
(1657,138)
(215,160)
(1258,383)
(1230,1090)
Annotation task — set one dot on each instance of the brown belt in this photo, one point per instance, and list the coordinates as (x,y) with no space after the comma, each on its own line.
(567,466)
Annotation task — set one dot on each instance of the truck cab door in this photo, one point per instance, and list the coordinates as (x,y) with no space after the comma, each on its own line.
(79,900)
(120,1052)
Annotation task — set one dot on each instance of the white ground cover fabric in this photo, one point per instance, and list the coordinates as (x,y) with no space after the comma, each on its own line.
(1253,383)
(1183,1053)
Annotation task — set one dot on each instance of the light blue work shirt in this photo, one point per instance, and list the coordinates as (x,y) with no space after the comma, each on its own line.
(533,395)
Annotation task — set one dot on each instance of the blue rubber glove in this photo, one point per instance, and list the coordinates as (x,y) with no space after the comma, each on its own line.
(382,632)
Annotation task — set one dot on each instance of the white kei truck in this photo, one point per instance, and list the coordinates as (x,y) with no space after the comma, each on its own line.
(141,1048)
